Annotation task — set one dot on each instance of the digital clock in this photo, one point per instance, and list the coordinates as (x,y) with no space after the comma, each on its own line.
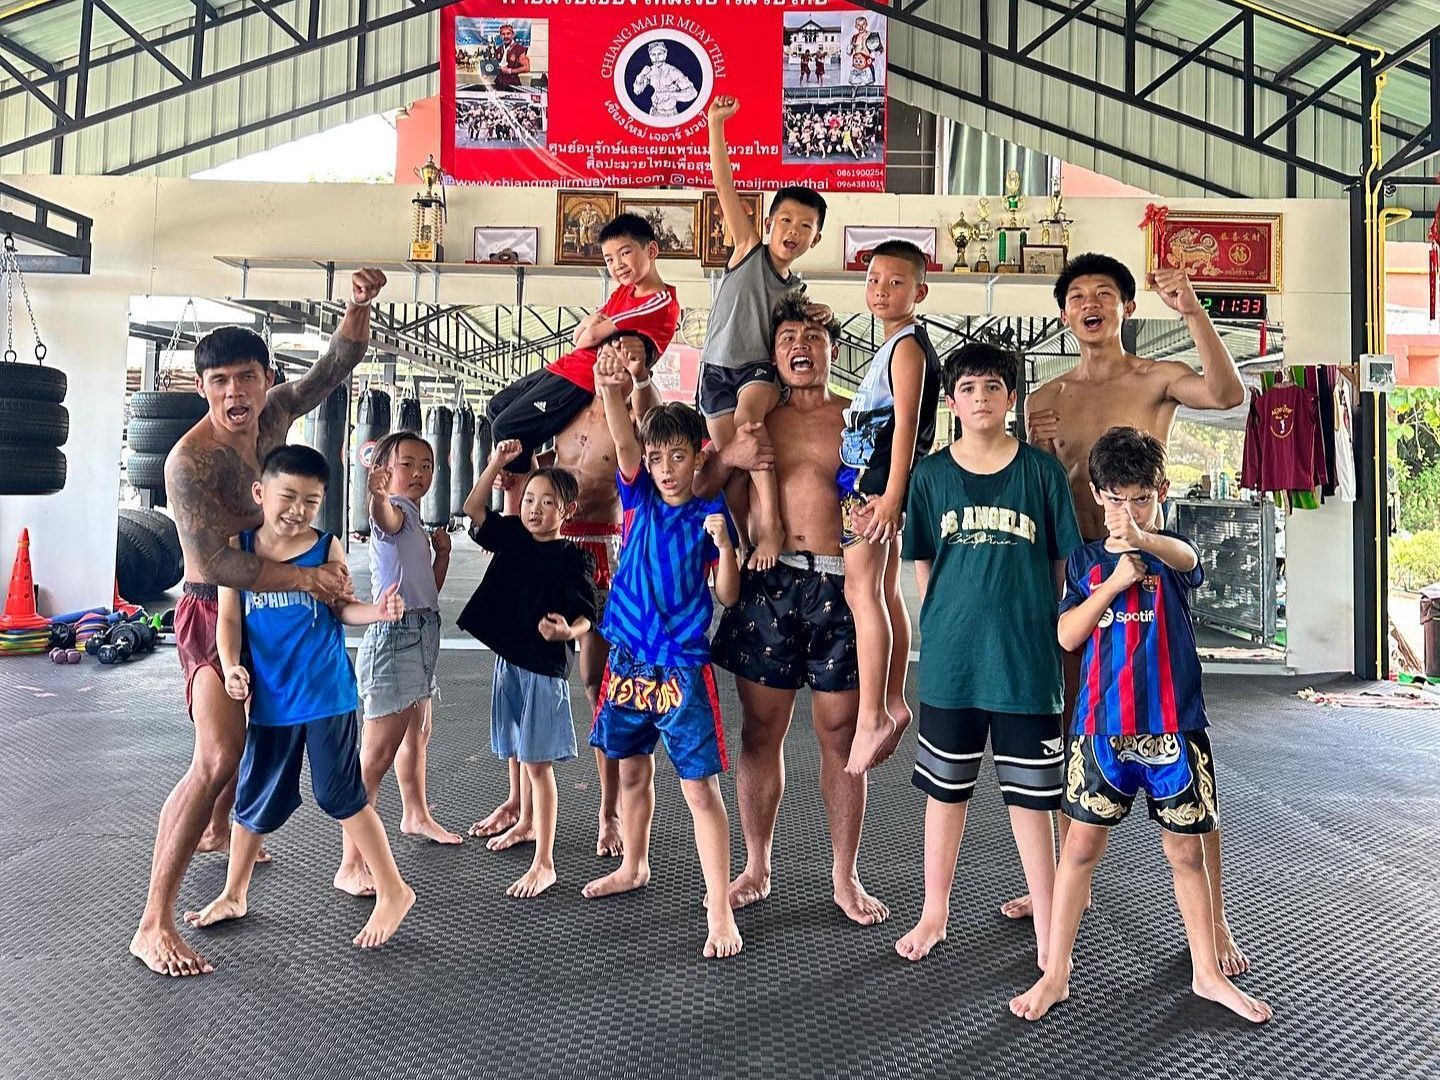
(1248,307)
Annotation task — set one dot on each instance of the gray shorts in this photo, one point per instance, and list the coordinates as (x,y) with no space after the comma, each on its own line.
(530,715)
(396,663)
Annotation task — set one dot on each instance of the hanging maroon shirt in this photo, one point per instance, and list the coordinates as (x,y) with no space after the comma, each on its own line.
(1284,448)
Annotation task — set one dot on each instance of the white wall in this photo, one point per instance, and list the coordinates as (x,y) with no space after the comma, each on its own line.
(161,237)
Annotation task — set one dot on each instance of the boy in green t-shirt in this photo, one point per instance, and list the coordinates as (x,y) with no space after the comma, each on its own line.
(990,527)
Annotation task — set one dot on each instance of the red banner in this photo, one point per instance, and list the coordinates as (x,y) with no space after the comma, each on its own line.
(1220,251)
(610,93)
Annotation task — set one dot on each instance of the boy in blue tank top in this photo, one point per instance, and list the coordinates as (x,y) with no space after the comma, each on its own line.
(302,695)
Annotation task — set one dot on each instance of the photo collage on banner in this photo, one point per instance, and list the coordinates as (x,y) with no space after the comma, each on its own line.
(624,102)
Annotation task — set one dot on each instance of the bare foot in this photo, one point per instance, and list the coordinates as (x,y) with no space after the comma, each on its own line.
(385,919)
(901,716)
(355,880)
(532,883)
(209,843)
(609,843)
(522,832)
(165,952)
(221,909)
(724,937)
(764,557)
(750,887)
(871,735)
(1232,961)
(928,933)
(1224,992)
(431,829)
(1040,999)
(1022,908)
(858,904)
(622,879)
(501,818)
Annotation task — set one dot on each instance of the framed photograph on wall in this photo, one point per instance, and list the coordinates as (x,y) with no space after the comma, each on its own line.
(717,243)
(861,240)
(505,245)
(676,224)
(579,217)
(1219,251)
(1046,259)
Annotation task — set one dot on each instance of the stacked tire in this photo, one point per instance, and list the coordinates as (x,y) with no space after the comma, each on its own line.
(148,558)
(33,426)
(158,418)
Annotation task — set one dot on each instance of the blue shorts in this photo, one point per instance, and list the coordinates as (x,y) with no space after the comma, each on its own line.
(530,715)
(640,704)
(1104,773)
(396,663)
(268,790)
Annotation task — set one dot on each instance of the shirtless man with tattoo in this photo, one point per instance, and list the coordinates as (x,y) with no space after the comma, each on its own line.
(208,479)
(791,626)
(1108,388)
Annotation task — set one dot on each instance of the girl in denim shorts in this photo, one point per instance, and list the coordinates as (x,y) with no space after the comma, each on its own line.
(396,664)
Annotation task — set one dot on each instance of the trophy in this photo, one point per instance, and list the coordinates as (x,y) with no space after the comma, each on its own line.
(1014,223)
(1056,218)
(982,262)
(427,228)
(961,231)
(984,232)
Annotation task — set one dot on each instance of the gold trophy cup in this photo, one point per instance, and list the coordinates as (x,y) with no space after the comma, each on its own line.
(961,231)
(427,228)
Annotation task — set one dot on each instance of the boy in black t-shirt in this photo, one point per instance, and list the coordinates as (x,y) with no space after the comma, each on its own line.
(536,597)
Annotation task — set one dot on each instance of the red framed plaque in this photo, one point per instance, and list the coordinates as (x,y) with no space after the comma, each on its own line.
(1221,252)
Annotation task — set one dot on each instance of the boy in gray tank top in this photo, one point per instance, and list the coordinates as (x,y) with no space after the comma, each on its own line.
(738,383)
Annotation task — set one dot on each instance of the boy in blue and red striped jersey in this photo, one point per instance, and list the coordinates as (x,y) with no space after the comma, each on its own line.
(1139,721)
(658,683)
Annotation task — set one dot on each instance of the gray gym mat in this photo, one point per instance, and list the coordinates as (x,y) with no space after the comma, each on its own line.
(1333,872)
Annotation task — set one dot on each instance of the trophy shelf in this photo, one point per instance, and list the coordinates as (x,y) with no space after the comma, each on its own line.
(417,270)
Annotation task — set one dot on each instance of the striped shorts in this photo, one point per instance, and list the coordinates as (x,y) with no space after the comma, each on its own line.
(1027,749)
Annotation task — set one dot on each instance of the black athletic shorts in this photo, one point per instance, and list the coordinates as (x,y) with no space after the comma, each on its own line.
(534,410)
(1026,748)
(719,389)
(790,627)
(1104,773)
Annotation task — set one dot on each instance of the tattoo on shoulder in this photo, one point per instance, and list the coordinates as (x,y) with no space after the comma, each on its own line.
(209,492)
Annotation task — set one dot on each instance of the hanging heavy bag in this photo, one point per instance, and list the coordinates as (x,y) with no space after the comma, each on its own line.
(439,429)
(462,461)
(372,423)
(327,425)
(33,422)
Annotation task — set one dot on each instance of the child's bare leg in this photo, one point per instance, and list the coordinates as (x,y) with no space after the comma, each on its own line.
(393,898)
(1078,859)
(410,767)
(637,810)
(895,703)
(753,403)
(1232,960)
(543,799)
(523,831)
(506,814)
(594,652)
(380,739)
(712,841)
(232,901)
(944,829)
(1192,895)
(1035,841)
(864,580)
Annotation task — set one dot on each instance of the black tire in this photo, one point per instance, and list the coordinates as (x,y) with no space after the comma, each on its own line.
(31,470)
(168,405)
(161,529)
(31,382)
(141,568)
(154,435)
(145,470)
(33,423)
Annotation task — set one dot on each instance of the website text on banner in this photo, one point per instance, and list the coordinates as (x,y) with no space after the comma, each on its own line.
(571,93)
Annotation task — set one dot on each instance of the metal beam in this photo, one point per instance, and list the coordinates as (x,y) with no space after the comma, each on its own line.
(1055,27)
(139,39)
(268,9)
(22,53)
(1359,19)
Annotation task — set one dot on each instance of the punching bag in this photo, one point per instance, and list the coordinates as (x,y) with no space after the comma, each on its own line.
(484,445)
(409,416)
(372,423)
(439,431)
(328,423)
(462,459)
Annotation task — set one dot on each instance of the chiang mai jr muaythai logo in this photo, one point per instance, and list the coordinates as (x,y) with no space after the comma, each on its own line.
(663,69)
(1282,421)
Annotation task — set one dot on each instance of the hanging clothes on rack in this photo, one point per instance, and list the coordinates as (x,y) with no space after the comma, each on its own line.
(1344,439)
(1284,446)
(1324,387)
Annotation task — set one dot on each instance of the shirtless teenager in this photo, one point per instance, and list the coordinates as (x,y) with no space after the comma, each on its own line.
(792,627)
(1108,388)
(208,479)
(586,449)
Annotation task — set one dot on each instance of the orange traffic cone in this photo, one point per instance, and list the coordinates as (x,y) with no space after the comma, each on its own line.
(121,604)
(20,611)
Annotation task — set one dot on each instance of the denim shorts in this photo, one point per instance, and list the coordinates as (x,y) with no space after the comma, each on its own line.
(530,715)
(396,664)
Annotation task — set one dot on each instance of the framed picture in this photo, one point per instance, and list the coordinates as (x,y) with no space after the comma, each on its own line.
(676,224)
(1042,259)
(1220,251)
(579,217)
(717,243)
(506,245)
(861,240)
